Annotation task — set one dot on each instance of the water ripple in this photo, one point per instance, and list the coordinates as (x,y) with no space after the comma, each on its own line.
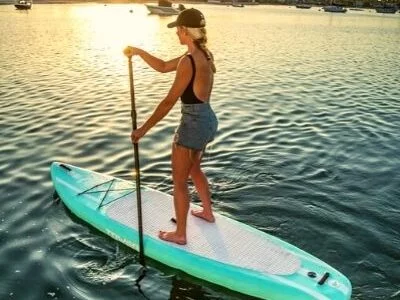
(307,147)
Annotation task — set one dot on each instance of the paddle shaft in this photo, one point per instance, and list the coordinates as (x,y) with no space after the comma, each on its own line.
(137,166)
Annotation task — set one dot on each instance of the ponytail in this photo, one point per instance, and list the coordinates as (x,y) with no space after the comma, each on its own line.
(199,36)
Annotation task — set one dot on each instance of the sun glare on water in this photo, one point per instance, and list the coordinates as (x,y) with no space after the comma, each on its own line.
(114,25)
(107,29)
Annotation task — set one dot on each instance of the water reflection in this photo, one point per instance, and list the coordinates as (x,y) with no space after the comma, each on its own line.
(308,142)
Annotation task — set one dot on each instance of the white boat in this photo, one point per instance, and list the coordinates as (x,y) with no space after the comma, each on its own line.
(303,6)
(237,4)
(23,4)
(334,8)
(164,8)
(233,3)
(219,2)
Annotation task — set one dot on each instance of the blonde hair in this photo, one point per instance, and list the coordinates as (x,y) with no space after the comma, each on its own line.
(199,36)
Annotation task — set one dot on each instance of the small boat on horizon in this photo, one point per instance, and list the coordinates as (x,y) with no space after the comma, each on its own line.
(334,8)
(233,3)
(23,4)
(303,5)
(237,4)
(164,8)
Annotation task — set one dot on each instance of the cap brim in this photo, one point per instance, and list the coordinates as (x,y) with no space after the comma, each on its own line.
(172,25)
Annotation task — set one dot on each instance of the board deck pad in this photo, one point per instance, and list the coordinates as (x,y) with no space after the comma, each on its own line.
(225,241)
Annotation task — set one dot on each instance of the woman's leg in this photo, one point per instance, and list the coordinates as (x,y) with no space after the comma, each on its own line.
(181,165)
(201,183)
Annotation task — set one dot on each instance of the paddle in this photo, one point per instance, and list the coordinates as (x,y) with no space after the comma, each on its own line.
(137,167)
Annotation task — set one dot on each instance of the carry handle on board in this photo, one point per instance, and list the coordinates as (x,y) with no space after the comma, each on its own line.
(324,278)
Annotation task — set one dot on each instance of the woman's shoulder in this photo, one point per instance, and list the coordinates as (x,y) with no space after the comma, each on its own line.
(185,59)
(184,65)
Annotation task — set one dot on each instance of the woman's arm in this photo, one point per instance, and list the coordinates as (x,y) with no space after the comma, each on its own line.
(182,78)
(154,62)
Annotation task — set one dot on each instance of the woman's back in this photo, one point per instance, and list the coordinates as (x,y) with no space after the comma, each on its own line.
(204,76)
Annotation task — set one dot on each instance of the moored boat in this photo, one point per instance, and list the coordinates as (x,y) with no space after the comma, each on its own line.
(23,4)
(334,8)
(216,2)
(237,4)
(164,8)
(303,6)
(234,3)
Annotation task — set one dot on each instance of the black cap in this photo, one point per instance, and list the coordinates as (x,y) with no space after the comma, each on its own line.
(191,17)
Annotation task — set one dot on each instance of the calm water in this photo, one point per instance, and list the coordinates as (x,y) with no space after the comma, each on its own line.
(308,146)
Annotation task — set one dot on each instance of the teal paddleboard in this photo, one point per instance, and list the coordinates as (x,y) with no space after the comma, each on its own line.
(227,253)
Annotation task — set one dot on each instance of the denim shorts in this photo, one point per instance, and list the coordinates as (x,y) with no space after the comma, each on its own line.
(198,126)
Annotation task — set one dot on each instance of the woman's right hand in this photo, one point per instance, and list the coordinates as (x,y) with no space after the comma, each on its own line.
(130,51)
(137,134)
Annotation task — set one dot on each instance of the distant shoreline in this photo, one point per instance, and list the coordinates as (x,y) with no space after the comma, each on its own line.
(36,2)
(10,2)
(98,1)
(79,1)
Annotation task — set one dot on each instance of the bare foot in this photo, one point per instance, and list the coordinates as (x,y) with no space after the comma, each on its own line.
(171,236)
(205,216)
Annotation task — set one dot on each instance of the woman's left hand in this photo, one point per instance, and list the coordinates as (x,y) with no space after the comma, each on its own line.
(137,134)
(130,51)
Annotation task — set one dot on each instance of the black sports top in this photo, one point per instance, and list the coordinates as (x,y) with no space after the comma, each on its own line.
(188,96)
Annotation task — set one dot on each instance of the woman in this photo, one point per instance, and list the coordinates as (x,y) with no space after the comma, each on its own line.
(193,84)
